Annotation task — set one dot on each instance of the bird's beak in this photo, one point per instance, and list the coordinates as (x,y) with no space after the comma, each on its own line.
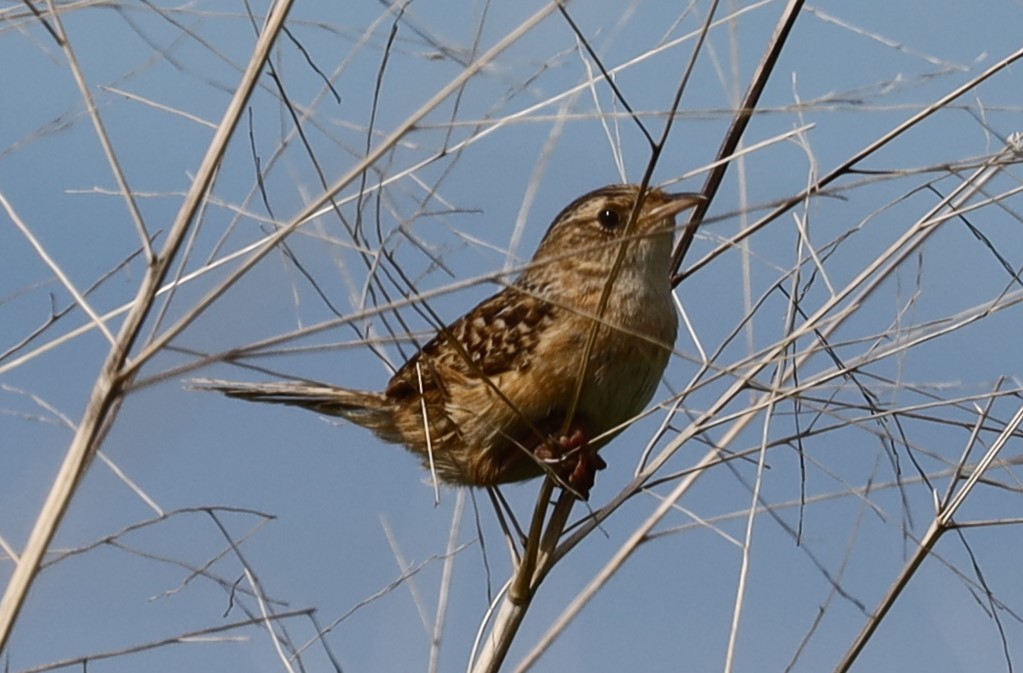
(676,204)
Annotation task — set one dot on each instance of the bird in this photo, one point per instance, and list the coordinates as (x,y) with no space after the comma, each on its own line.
(538,377)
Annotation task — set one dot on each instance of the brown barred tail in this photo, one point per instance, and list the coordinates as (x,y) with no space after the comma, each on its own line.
(373,411)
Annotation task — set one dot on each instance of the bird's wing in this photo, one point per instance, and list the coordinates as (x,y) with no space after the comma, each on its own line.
(498,335)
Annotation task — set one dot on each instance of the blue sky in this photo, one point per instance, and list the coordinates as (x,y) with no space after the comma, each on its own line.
(312,503)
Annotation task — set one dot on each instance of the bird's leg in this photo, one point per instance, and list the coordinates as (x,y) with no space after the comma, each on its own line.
(572,458)
(587,464)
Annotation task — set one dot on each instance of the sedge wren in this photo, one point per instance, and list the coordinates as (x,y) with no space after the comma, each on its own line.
(539,376)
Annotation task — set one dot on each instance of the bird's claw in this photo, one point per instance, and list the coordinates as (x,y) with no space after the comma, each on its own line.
(573,460)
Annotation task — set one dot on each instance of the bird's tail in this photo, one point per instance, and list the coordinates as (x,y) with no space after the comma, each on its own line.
(370,410)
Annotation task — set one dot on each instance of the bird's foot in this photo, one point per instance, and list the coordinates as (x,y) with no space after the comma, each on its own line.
(573,460)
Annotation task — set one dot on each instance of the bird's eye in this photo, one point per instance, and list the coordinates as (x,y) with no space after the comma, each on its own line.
(609,219)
